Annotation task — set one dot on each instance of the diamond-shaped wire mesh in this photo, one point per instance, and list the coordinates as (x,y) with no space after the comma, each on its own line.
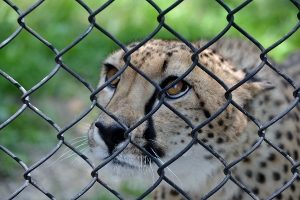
(161,24)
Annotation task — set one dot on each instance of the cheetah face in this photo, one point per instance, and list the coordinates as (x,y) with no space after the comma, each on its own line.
(129,97)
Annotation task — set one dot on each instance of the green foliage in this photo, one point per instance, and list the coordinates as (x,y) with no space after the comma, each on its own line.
(132,191)
(7,164)
(105,196)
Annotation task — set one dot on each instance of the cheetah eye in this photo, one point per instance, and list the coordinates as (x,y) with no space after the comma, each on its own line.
(178,90)
(110,72)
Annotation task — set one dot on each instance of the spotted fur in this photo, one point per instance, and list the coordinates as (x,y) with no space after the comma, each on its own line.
(231,134)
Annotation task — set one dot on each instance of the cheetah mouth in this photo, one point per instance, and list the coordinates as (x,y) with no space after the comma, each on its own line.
(124,164)
(131,162)
(154,150)
(135,161)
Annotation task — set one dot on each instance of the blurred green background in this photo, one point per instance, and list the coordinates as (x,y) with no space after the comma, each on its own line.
(63,98)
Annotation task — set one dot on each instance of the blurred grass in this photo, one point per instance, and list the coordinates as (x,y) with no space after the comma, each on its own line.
(60,22)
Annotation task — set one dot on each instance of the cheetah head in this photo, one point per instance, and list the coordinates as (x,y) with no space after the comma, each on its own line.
(130,97)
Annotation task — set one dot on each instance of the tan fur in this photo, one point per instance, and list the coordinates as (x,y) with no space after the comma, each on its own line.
(230,134)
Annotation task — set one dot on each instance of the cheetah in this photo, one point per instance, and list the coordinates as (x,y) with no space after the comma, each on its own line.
(129,96)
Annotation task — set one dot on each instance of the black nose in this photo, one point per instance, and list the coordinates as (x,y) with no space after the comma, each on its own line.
(112,135)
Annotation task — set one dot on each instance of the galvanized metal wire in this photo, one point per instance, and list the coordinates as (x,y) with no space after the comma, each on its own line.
(60,65)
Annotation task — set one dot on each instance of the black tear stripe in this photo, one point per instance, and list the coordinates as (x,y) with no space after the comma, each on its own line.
(149,105)
(150,133)
(165,65)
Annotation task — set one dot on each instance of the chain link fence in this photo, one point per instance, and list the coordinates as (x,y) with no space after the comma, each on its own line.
(161,24)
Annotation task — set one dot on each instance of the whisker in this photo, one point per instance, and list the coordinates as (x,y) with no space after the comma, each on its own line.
(82,136)
(141,162)
(82,151)
(152,171)
(60,158)
(84,143)
(85,125)
(66,155)
(79,138)
(168,168)
(144,164)
(159,143)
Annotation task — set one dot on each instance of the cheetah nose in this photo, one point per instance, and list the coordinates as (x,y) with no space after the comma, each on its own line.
(112,135)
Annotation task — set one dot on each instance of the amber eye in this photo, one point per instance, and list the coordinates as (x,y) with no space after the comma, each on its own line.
(110,72)
(178,90)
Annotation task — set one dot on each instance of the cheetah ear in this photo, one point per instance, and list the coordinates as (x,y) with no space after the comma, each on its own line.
(258,87)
